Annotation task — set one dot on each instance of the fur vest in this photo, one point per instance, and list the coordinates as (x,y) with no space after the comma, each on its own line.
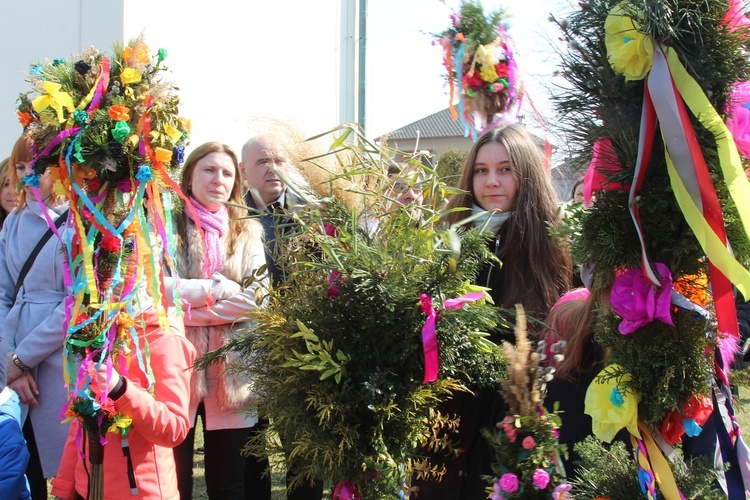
(234,390)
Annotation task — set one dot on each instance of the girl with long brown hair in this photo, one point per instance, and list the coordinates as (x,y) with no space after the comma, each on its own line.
(506,191)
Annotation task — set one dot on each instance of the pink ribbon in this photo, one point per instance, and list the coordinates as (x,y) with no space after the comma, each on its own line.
(429,340)
(429,334)
(347,490)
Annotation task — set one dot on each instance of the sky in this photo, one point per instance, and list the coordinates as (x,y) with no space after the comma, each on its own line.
(236,62)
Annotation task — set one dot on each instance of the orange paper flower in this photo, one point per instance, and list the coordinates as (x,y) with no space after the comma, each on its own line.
(118,113)
(24,118)
(162,155)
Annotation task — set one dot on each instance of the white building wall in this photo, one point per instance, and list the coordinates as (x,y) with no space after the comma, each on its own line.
(233,61)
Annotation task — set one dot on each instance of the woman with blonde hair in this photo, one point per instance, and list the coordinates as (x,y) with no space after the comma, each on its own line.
(8,195)
(218,247)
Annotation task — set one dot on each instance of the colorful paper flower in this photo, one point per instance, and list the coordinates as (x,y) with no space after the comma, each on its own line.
(31,180)
(119,113)
(130,75)
(603,164)
(474,80)
(540,479)
(144,173)
(638,302)
(735,17)
(82,67)
(528,443)
(629,51)
(136,54)
(610,407)
(738,116)
(688,420)
(120,131)
(509,482)
(111,243)
(54,98)
(24,118)
(162,155)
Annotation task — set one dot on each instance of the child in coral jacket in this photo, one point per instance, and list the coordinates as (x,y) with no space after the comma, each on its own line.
(159,422)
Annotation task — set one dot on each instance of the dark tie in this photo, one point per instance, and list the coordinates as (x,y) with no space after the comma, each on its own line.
(269,227)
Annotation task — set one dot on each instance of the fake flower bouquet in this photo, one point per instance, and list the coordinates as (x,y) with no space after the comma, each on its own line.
(527,453)
(107,129)
(481,65)
(647,79)
(376,324)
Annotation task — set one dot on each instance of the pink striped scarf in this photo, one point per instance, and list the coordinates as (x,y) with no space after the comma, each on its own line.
(214,225)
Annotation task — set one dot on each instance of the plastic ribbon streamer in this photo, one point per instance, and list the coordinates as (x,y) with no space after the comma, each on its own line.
(652,466)
(429,330)
(346,490)
(690,178)
(429,340)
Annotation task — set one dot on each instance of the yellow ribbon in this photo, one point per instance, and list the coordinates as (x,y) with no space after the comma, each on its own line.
(660,467)
(729,160)
(715,249)
(54,98)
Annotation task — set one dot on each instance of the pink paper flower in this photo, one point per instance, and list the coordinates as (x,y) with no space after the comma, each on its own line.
(512,433)
(638,302)
(604,163)
(540,479)
(738,116)
(497,493)
(528,443)
(735,17)
(509,482)
(561,492)
(334,280)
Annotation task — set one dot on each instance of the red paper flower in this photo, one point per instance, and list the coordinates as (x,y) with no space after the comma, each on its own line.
(94,184)
(24,118)
(474,81)
(693,414)
(501,69)
(110,243)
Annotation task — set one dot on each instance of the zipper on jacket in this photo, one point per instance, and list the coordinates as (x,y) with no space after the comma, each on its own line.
(492,264)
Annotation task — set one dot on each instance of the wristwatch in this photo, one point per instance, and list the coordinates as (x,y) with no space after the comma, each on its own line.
(19,364)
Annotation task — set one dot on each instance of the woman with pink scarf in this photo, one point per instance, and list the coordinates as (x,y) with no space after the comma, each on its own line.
(212,267)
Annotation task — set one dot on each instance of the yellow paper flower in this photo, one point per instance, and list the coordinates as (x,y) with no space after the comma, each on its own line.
(629,52)
(54,97)
(174,134)
(137,53)
(120,422)
(185,123)
(130,75)
(610,408)
(488,74)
